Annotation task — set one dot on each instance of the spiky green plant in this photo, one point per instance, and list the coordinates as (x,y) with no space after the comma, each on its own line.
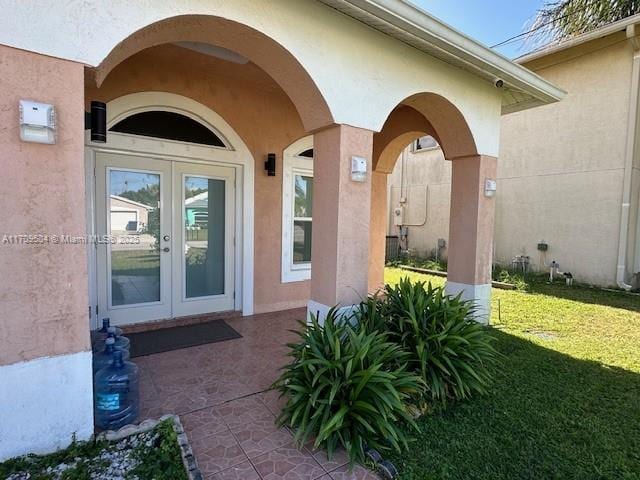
(346,388)
(448,349)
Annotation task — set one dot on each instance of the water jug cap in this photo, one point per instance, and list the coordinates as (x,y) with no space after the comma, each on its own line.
(110,341)
(105,324)
(112,330)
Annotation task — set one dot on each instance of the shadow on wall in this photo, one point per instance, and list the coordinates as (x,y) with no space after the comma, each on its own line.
(549,415)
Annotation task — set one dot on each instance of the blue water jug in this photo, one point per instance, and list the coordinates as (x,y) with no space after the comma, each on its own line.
(105,357)
(121,342)
(117,400)
(99,336)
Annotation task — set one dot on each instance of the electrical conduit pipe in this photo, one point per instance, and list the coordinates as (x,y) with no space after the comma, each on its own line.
(628,161)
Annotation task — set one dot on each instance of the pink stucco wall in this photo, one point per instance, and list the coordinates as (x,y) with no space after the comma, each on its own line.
(262,115)
(43,299)
(471,220)
(341,220)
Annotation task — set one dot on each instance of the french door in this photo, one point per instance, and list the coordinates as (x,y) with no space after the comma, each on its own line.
(165,238)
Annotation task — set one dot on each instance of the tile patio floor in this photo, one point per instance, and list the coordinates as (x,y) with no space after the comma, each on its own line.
(218,390)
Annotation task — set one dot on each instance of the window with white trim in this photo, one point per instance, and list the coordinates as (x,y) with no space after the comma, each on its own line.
(297,210)
(425,143)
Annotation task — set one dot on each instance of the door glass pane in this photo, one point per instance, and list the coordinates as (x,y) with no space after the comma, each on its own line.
(303,196)
(301,241)
(134,219)
(204,234)
(302,213)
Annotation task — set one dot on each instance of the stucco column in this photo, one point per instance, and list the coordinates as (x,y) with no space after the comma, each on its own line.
(45,354)
(377,230)
(341,218)
(471,232)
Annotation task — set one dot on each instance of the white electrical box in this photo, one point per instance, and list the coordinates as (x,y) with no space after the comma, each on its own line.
(358,169)
(37,122)
(490,187)
(398,216)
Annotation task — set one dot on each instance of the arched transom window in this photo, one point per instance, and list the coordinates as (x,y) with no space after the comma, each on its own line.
(168,126)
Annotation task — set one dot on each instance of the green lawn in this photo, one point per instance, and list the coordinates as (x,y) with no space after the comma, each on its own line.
(143,263)
(566,401)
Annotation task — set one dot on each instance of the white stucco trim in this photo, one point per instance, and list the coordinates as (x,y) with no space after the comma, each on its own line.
(293,164)
(334,49)
(411,24)
(479,294)
(236,154)
(45,402)
(320,310)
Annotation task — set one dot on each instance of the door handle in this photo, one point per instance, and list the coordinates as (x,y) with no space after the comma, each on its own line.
(166,238)
(165,249)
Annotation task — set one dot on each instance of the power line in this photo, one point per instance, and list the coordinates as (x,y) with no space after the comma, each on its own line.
(528,32)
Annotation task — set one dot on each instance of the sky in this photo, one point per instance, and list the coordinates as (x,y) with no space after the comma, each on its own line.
(489,21)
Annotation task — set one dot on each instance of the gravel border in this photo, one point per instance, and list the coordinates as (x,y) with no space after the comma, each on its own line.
(188,459)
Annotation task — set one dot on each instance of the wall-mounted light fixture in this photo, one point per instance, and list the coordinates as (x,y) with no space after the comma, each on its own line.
(358,169)
(490,187)
(270,164)
(96,121)
(37,122)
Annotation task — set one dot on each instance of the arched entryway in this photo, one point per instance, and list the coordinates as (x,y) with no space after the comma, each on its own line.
(236,42)
(170,190)
(471,217)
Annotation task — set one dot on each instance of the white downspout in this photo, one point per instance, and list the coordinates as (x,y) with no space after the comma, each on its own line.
(632,125)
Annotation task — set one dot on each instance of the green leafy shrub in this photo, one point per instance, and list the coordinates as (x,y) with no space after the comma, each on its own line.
(448,349)
(509,276)
(419,262)
(163,459)
(347,388)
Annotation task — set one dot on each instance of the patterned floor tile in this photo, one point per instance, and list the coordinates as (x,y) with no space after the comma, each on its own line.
(203,423)
(261,436)
(288,463)
(217,452)
(218,391)
(243,471)
(338,459)
(356,473)
(273,401)
(243,411)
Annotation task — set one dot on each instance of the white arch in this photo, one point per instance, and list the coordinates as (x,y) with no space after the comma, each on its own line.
(362,74)
(122,107)
(235,153)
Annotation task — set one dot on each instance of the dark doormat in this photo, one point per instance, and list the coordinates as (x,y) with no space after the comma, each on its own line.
(174,338)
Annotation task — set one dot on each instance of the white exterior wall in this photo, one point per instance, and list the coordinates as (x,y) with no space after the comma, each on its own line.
(427,216)
(560,173)
(54,406)
(362,74)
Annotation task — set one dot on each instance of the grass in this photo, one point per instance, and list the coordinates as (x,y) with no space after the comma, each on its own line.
(142,263)
(566,401)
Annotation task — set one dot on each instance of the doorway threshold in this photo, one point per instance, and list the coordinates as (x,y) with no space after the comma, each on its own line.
(179,321)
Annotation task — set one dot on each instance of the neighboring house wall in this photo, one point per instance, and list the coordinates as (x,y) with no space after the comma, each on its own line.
(560,171)
(138,213)
(423,179)
(568,161)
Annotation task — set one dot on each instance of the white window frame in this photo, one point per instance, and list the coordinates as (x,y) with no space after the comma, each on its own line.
(415,149)
(293,164)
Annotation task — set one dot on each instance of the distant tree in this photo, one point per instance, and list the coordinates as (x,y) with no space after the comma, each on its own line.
(562,19)
(148,195)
